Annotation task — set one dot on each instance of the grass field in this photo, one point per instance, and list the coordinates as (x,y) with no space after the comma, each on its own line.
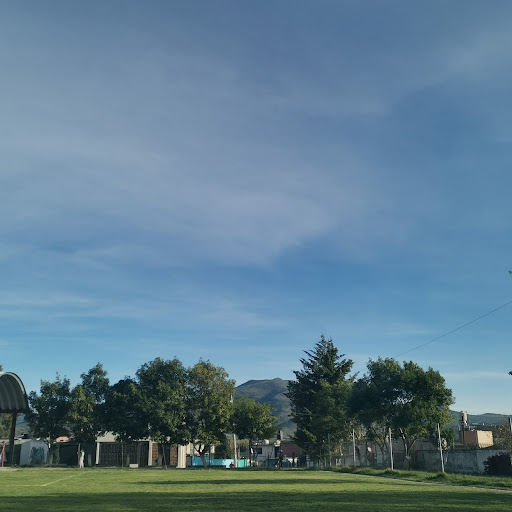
(113,490)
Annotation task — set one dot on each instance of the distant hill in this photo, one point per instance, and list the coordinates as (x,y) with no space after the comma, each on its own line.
(486,419)
(271,391)
(21,426)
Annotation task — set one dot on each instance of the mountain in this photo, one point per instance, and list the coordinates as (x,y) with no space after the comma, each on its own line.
(21,426)
(271,391)
(477,420)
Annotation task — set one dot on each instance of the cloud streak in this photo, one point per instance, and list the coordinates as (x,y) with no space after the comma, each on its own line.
(229,181)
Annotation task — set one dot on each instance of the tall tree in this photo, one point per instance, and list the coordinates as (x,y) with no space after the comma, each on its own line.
(49,412)
(409,400)
(319,397)
(124,415)
(502,436)
(253,420)
(162,393)
(151,405)
(87,404)
(209,406)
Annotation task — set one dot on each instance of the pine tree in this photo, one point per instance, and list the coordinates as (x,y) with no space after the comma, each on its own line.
(319,398)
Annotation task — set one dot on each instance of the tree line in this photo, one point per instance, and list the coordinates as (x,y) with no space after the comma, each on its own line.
(329,404)
(172,404)
(165,402)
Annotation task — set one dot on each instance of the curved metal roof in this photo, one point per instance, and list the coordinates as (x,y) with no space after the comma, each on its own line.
(13,397)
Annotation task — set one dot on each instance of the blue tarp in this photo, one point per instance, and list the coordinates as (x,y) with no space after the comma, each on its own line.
(196,461)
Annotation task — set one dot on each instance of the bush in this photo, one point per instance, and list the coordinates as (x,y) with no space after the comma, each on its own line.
(498,464)
(438,476)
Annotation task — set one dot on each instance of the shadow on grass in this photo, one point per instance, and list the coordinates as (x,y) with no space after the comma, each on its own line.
(401,500)
(274,483)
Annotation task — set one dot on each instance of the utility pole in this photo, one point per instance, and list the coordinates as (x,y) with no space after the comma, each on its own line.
(11,438)
(329,448)
(440,446)
(390,449)
(354,445)
(235,458)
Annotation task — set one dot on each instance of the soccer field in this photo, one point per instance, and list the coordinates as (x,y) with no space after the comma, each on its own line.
(113,490)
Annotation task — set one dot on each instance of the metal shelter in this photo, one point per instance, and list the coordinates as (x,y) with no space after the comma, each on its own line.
(13,400)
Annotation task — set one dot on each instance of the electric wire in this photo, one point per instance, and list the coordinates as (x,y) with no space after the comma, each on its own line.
(456,329)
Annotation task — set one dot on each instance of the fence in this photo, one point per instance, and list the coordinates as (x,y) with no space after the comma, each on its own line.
(469,461)
(123,454)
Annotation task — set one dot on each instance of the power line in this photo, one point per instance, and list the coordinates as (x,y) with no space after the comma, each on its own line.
(457,328)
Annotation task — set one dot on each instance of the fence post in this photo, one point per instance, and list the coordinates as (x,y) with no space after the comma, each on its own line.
(391,449)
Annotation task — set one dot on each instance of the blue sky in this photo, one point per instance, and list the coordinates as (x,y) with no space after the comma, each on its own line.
(229,180)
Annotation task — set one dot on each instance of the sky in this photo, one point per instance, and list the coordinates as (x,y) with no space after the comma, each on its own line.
(230,180)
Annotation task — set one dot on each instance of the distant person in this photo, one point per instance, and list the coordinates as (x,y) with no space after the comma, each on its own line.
(81,459)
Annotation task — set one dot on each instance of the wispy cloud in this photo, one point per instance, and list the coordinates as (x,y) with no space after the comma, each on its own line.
(405,330)
(476,375)
(170,172)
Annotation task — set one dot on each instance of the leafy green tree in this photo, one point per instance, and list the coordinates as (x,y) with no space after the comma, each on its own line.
(225,449)
(87,404)
(502,437)
(209,406)
(409,400)
(151,405)
(5,425)
(123,411)
(96,383)
(319,397)
(162,395)
(253,420)
(49,412)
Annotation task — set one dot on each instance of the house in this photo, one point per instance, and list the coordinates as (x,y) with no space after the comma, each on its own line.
(287,453)
(143,453)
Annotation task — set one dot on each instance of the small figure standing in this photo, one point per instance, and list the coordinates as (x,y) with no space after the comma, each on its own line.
(81,459)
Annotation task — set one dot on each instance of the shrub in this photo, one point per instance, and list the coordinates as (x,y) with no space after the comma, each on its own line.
(498,464)
(438,476)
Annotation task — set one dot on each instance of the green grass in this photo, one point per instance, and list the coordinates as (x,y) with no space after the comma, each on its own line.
(490,482)
(116,490)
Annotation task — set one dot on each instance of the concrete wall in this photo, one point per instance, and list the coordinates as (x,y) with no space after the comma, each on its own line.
(468,461)
(425,457)
(455,461)
(33,453)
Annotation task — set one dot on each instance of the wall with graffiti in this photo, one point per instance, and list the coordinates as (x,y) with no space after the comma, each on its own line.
(33,453)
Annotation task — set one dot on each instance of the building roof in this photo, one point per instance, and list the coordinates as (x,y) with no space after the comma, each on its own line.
(13,397)
(290,449)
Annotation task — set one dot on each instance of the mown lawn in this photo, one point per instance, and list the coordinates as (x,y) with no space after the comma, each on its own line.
(116,490)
